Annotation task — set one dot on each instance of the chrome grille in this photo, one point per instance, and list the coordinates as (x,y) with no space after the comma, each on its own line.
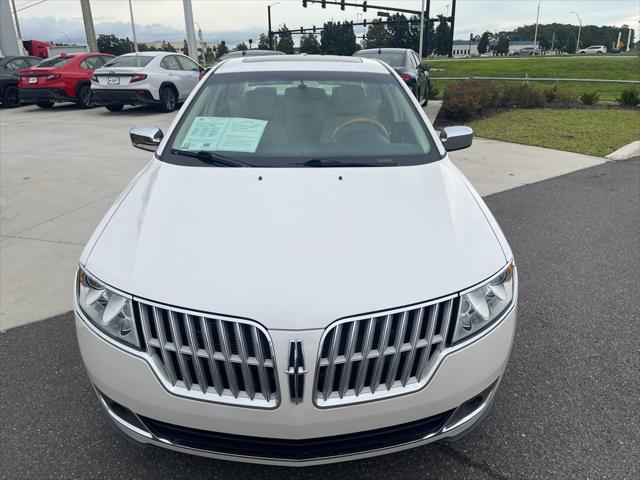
(210,358)
(388,354)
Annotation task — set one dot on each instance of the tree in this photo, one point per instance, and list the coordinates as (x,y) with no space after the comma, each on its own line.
(222,49)
(442,37)
(503,45)
(167,47)
(285,41)
(309,44)
(378,36)
(338,38)
(263,42)
(113,45)
(569,45)
(483,44)
(398,27)
(242,46)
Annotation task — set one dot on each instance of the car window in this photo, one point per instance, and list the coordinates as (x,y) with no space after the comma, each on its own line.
(170,63)
(283,119)
(58,61)
(188,64)
(17,64)
(393,59)
(92,62)
(33,61)
(130,61)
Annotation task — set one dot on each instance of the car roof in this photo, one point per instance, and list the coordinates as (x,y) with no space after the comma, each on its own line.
(149,54)
(283,63)
(384,50)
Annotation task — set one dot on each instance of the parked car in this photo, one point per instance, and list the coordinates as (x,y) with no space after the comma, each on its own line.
(64,78)
(594,49)
(527,51)
(10,77)
(147,78)
(406,62)
(346,293)
(250,53)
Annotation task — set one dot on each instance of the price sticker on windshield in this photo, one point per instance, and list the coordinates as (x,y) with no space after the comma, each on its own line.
(230,134)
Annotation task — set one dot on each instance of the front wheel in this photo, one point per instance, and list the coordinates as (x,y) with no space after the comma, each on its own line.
(11,97)
(168,100)
(115,107)
(85,99)
(45,104)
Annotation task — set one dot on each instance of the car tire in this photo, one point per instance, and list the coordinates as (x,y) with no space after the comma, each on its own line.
(85,98)
(11,97)
(114,107)
(168,99)
(45,104)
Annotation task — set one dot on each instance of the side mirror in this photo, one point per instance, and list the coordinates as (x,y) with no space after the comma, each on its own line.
(146,137)
(456,138)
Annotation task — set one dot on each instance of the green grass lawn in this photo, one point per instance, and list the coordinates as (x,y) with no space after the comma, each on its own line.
(549,67)
(592,132)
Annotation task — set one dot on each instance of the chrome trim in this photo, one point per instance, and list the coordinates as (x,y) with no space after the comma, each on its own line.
(120,420)
(487,400)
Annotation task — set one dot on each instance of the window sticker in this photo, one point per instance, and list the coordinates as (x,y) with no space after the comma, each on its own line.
(224,134)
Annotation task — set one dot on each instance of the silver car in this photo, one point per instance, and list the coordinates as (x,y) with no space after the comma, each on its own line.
(147,78)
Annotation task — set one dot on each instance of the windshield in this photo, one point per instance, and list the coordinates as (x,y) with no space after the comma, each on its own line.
(55,62)
(289,119)
(130,61)
(393,59)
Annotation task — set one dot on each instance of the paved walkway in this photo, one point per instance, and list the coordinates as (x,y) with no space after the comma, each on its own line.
(62,168)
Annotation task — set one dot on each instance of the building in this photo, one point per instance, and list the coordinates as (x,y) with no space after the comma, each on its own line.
(464,48)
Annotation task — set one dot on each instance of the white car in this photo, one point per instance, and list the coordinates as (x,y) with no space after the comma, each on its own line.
(300,275)
(594,49)
(157,78)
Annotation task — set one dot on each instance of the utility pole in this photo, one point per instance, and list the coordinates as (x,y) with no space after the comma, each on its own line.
(190,30)
(15,18)
(535,35)
(133,29)
(269,20)
(89,30)
(453,20)
(553,41)
(421,31)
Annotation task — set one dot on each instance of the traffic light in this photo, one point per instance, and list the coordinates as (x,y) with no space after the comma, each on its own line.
(324,4)
(304,3)
(364,22)
(342,4)
(364,6)
(314,29)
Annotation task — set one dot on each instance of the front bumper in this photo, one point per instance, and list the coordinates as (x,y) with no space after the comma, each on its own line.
(110,96)
(33,95)
(188,425)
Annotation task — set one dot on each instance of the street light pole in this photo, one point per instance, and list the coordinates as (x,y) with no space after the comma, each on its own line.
(133,29)
(89,30)
(269,20)
(579,31)
(190,30)
(535,35)
(421,30)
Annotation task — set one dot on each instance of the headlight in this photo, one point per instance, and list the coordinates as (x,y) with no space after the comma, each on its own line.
(109,311)
(484,305)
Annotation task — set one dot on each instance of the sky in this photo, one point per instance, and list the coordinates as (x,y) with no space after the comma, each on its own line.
(239,20)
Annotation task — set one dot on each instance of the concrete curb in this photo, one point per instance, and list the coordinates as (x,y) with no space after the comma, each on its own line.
(625,153)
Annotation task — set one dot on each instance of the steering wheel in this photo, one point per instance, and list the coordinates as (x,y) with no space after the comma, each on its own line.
(360,120)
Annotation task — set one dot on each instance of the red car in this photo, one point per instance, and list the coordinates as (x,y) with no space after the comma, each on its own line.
(65,78)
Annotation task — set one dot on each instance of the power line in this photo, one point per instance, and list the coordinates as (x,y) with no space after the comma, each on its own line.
(19,9)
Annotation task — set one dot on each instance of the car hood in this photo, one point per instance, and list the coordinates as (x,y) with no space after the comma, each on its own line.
(295,248)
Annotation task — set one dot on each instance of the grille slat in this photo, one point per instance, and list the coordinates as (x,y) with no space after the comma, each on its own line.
(380,356)
(210,358)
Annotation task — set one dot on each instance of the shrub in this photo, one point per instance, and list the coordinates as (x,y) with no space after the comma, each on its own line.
(522,96)
(629,97)
(590,98)
(561,95)
(463,100)
(433,90)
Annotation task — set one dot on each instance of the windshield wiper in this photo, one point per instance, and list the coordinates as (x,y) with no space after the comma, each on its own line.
(211,158)
(328,162)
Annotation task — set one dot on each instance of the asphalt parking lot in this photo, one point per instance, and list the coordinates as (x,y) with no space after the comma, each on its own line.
(568,405)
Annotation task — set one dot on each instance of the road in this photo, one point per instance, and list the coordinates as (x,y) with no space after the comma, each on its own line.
(568,406)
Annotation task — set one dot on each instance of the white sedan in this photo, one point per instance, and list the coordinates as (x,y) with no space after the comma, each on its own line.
(300,274)
(157,78)
(594,49)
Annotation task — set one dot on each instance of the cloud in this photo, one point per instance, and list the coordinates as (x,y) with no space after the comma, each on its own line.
(72,30)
